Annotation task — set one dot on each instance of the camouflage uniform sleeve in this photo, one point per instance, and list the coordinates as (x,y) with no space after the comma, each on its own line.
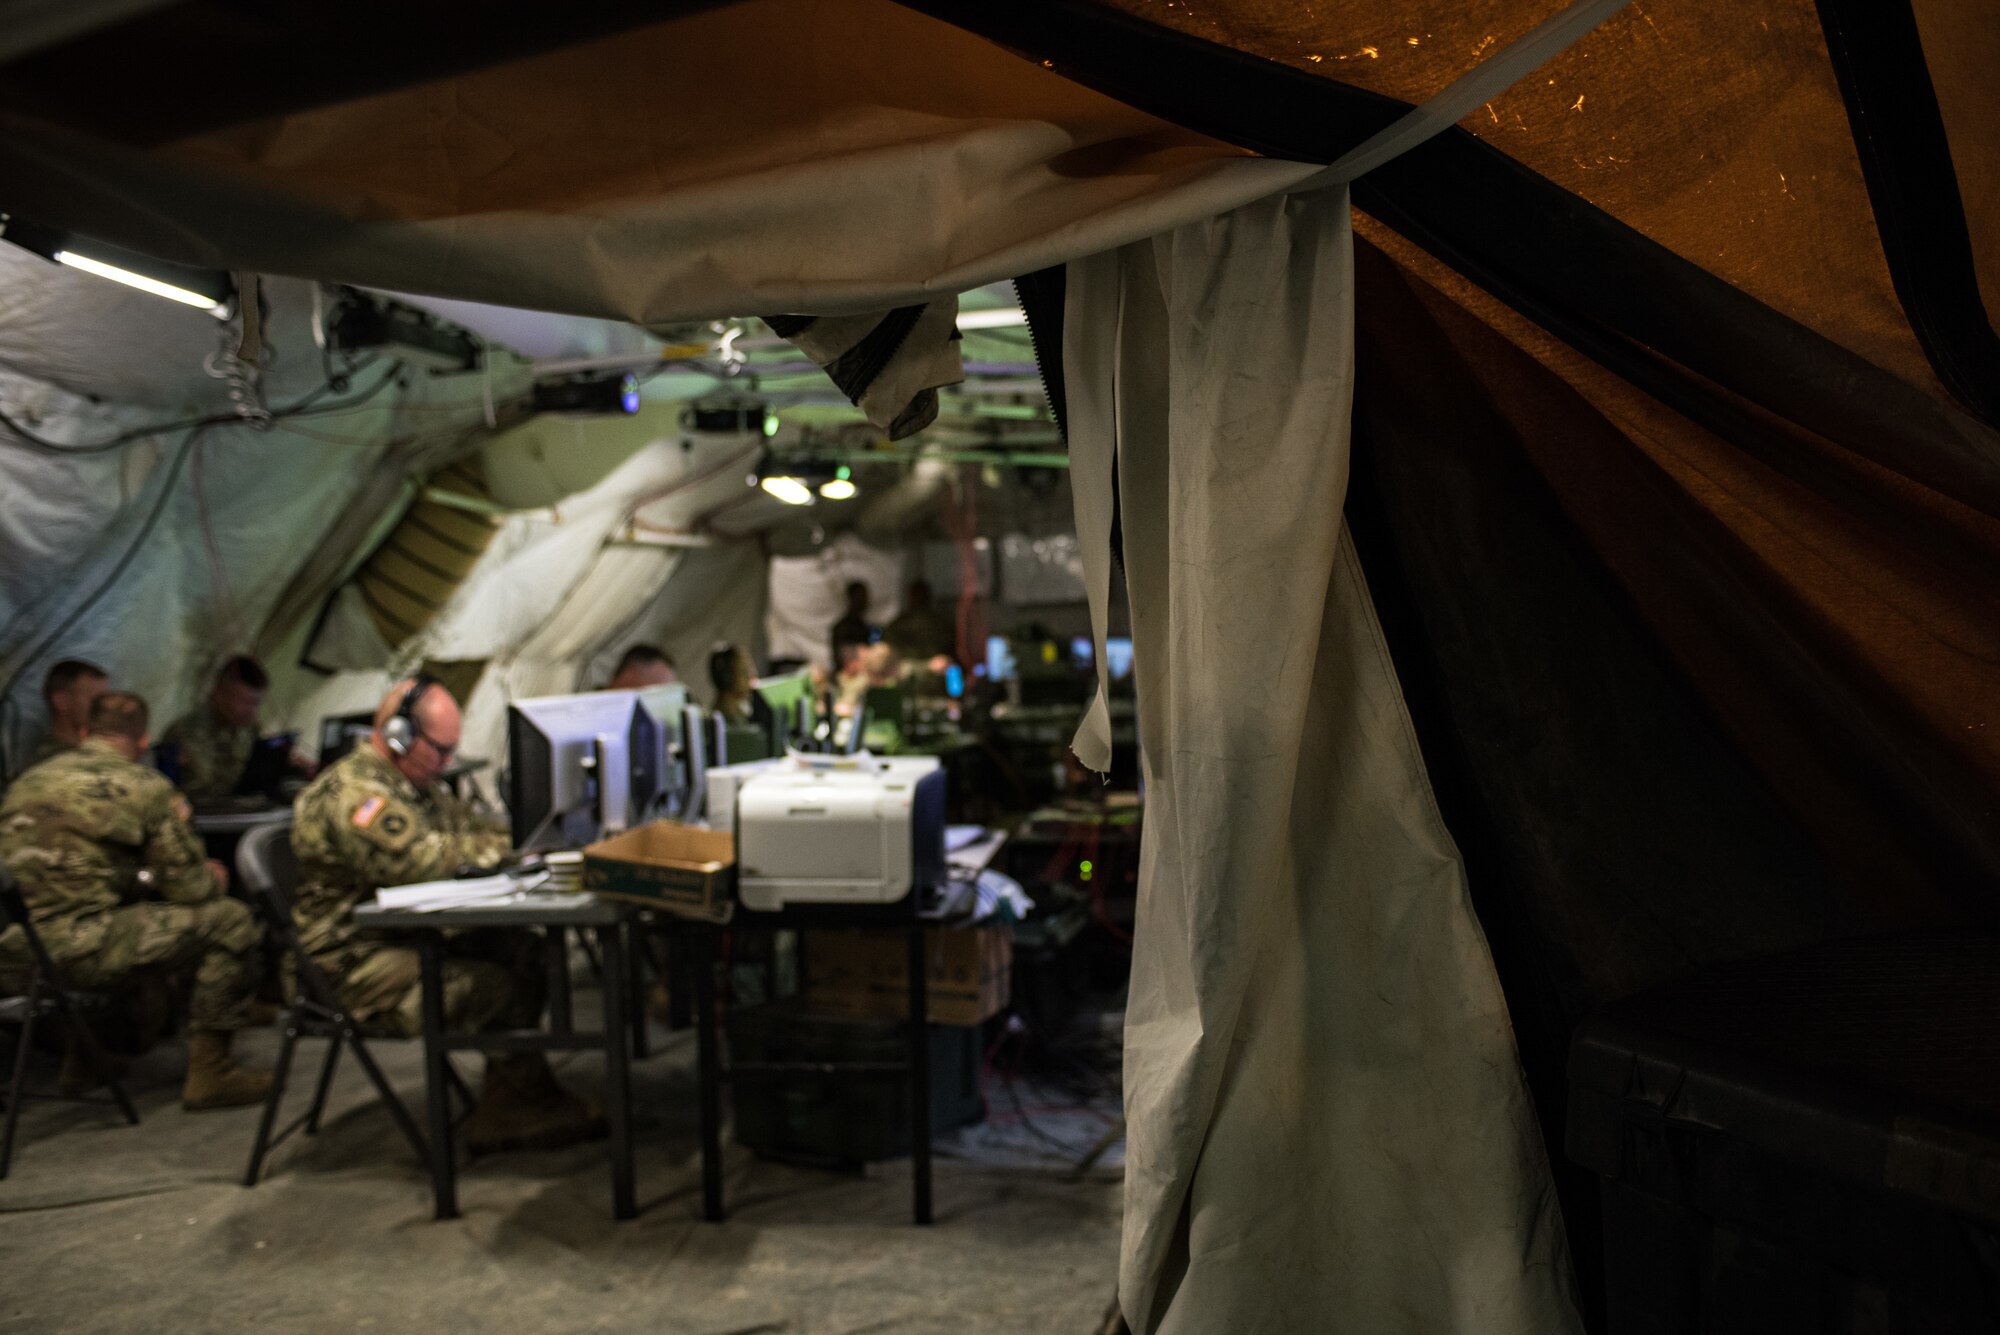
(174,851)
(187,753)
(385,840)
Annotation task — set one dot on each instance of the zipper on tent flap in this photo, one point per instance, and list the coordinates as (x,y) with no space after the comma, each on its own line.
(1041,296)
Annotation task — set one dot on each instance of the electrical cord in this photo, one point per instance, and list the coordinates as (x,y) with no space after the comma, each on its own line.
(124,563)
(304,407)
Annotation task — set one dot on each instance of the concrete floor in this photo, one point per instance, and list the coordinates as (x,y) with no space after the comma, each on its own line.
(105,1227)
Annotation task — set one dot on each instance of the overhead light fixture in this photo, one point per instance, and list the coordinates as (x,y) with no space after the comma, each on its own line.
(362,322)
(209,290)
(790,490)
(588,393)
(783,481)
(1001,319)
(839,487)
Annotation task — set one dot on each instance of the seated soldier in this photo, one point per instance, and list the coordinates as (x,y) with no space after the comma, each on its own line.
(68,689)
(379,817)
(215,738)
(94,838)
(643,665)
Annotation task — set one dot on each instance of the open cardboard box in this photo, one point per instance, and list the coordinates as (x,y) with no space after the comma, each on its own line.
(669,866)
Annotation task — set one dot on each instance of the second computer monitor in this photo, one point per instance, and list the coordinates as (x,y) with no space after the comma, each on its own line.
(663,779)
(574,763)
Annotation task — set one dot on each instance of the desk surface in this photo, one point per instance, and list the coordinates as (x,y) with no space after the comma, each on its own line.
(544,910)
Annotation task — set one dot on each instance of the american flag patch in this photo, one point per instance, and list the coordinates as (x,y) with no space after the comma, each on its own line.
(365,814)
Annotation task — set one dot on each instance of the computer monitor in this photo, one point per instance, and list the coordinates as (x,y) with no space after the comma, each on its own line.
(661,776)
(269,765)
(1000,665)
(1082,653)
(570,776)
(695,761)
(341,733)
(1118,656)
(790,699)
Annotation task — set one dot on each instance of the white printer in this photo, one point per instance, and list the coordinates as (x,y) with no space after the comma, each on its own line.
(832,829)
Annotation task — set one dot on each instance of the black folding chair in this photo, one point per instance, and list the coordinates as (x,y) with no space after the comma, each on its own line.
(46,998)
(267,872)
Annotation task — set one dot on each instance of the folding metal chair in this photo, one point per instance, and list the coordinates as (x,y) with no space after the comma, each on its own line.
(46,998)
(267,872)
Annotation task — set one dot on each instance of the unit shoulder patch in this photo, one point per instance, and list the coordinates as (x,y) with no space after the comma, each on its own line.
(386,823)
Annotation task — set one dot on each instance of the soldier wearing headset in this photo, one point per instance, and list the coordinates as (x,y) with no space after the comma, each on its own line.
(381,817)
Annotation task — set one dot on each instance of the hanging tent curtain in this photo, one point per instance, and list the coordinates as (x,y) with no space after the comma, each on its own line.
(1328,1126)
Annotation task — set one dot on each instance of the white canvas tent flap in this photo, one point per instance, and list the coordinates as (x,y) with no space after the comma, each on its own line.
(1328,1124)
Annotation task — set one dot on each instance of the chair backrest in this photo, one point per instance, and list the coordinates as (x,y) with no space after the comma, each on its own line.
(267,869)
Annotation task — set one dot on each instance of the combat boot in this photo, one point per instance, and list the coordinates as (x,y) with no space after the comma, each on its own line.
(522,1107)
(214,1080)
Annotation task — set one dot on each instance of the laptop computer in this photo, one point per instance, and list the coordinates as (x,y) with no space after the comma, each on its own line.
(269,765)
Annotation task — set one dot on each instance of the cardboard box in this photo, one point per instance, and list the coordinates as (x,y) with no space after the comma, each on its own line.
(864,974)
(668,866)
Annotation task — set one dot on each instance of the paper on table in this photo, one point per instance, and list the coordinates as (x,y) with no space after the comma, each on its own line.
(958,836)
(445,894)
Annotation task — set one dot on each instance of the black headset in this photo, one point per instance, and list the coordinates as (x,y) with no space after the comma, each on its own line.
(399,734)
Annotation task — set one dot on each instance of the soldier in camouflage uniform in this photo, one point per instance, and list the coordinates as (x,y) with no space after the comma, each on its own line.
(68,689)
(379,817)
(115,884)
(215,738)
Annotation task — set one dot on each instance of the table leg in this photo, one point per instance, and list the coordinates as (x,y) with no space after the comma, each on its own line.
(559,997)
(708,1068)
(679,1004)
(635,974)
(920,1079)
(437,1087)
(617,1063)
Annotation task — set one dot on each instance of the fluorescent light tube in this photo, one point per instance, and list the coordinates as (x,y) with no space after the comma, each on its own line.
(790,490)
(1000,319)
(140,281)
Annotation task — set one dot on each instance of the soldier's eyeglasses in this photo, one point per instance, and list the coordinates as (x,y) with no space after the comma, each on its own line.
(444,752)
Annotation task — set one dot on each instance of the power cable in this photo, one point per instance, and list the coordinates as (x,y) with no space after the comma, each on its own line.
(118,569)
(303,408)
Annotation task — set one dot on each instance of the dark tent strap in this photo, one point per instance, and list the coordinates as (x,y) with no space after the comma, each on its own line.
(1566,264)
(281,56)
(1878,56)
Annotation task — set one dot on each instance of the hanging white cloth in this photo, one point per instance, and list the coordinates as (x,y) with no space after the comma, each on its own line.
(1329,1130)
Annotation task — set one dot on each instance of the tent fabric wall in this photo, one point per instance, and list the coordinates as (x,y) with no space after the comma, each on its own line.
(555,587)
(429,553)
(1312,1003)
(639,152)
(1713,128)
(1835,615)
(160,557)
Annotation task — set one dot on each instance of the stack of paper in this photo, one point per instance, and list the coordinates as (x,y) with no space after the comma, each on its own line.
(468,893)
